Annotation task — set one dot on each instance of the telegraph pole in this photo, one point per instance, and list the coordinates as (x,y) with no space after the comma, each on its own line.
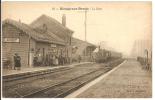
(85,25)
(29,48)
(85,32)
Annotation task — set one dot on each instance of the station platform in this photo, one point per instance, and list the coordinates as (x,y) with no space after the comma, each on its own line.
(24,70)
(128,80)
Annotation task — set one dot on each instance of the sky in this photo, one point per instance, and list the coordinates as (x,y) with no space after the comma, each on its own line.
(117,24)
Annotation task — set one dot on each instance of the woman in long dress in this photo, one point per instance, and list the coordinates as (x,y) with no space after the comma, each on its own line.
(56,60)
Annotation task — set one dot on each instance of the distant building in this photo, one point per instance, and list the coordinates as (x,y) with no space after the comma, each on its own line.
(140,47)
(82,48)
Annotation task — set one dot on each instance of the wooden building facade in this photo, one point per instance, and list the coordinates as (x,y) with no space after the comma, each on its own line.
(28,42)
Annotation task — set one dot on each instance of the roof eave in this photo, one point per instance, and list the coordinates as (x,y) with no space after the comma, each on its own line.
(50,42)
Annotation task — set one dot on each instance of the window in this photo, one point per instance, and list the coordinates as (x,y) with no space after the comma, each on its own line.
(11,40)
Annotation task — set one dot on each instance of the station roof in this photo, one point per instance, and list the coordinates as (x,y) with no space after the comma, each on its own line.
(81,45)
(37,35)
(76,41)
(52,25)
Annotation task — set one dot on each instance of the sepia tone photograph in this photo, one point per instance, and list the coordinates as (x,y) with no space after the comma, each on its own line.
(76,49)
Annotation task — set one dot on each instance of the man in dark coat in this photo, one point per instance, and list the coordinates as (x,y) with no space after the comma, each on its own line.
(60,60)
(17,63)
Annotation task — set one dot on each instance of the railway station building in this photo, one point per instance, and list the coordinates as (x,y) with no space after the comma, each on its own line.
(40,40)
(83,48)
(55,29)
(43,38)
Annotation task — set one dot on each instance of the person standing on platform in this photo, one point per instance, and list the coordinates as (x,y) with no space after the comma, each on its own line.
(17,62)
(60,60)
(54,60)
(51,60)
(79,58)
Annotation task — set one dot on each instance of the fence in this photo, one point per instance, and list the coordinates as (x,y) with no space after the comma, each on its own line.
(146,63)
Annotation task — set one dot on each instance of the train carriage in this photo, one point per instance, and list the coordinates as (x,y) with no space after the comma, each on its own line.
(103,55)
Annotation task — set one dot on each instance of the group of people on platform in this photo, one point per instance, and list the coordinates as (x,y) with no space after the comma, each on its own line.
(48,60)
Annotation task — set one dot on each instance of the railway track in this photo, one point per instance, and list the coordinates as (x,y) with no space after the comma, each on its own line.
(27,77)
(21,76)
(29,74)
(18,87)
(56,84)
(63,89)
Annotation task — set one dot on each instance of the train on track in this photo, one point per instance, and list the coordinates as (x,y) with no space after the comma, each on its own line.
(103,55)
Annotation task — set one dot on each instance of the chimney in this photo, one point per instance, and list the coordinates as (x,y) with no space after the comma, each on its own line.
(19,21)
(64,20)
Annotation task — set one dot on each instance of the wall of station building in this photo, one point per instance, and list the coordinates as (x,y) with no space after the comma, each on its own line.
(27,48)
(10,48)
